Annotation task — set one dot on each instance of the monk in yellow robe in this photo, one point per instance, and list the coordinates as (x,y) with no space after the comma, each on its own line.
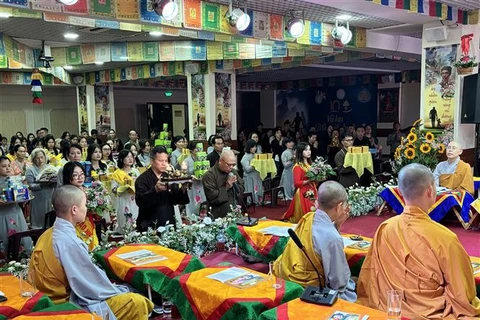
(323,243)
(454,173)
(62,268)
(416,255)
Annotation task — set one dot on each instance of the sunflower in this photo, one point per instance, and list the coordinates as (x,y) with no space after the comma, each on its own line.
(441,148)
(413,129)
(412,137)
(409,153)
(425,148)
(429,137)
(397,154)
(417,123)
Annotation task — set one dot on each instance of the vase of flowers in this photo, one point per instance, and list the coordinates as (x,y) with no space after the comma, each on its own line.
(99,202)
(418,147)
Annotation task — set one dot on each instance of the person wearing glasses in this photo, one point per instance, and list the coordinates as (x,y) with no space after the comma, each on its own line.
(319,231)
(222,184)
(454,173)
(346,176)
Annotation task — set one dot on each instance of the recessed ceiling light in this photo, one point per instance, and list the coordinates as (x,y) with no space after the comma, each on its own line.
(155,33)
(98,63)
(5,15)
(67,2)
(344,17)
(67,67)
(70,36)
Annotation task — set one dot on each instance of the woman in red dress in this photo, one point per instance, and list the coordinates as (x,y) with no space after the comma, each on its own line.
(306,189)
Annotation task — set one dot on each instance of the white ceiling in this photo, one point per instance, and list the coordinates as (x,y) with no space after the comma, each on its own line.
(463,4)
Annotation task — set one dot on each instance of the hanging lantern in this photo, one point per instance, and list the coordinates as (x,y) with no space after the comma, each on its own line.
(36,84)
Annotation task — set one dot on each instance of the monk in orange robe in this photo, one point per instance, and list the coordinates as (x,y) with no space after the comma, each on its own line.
(454,173)
(416,255)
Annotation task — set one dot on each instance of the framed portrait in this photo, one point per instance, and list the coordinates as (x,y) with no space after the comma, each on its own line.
(388,105)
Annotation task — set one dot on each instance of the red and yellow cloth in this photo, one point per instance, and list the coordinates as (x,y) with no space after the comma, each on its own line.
(297,309)
(64,311)
(200,297)
(255,243)
(17,305)
(157,274)
(445,201)
(355,257)
(86,231)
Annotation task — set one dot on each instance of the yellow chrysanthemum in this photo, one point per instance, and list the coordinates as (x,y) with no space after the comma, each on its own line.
(409,153)
(441,148)
(429,137)
(417,123)
(425,148)
(412,137)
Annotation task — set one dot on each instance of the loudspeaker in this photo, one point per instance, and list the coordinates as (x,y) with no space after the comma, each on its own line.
(191,68)
(471,99)
(436,33)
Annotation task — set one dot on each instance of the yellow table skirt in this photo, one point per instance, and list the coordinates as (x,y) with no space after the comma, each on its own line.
(264,167)
(359,162)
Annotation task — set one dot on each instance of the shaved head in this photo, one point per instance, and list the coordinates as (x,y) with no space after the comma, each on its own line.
(454,150)
(330,194)
(65,197)
(413,181)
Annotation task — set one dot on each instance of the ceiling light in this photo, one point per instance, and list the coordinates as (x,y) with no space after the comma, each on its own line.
(295,27)
(239,19)
(70,36)
(98,63)
(167,9)
(342,33)
(67,67)
(67,2)
(155,33)
(344,17)
(5,15)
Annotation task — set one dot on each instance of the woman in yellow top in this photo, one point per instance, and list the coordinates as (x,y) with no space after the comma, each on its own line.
(306,189)
(123,185)
(74,174)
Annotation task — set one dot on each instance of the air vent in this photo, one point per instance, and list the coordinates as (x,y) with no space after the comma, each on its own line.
(93,30)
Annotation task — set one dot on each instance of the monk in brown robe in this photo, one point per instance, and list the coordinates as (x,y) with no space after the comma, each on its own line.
(454,173)
(416,255)
(222,184)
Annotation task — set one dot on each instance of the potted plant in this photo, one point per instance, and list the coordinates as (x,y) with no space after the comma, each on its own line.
(466,64)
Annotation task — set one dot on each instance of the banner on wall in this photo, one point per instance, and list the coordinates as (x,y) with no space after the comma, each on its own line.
(198,107)
(223,104)
(82,107)
(440,87)
(102,109)
(339,105)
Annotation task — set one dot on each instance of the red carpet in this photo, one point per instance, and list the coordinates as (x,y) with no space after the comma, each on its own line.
(367,225)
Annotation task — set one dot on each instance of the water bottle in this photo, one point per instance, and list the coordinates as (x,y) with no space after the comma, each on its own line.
(221,239)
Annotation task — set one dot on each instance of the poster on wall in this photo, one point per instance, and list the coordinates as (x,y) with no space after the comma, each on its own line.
(440,87)
(223,104)
(198,107)
(336,105)
(388,105)
(102,109)
(82,107)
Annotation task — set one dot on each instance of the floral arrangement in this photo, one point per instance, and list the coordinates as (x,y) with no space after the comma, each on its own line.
(362,200)
(16,268)
(466,62)
(320,170)
(198,238)
(98,199)
(418,147)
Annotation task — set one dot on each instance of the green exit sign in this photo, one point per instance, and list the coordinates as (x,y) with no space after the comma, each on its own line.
(168,94)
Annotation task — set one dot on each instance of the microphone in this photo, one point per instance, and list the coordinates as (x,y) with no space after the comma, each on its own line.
(234,185)
(320,295)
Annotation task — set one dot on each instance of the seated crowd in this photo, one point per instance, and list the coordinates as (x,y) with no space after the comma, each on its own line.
(410,252)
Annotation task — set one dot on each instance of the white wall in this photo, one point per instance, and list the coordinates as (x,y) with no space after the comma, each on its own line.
(17,113)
